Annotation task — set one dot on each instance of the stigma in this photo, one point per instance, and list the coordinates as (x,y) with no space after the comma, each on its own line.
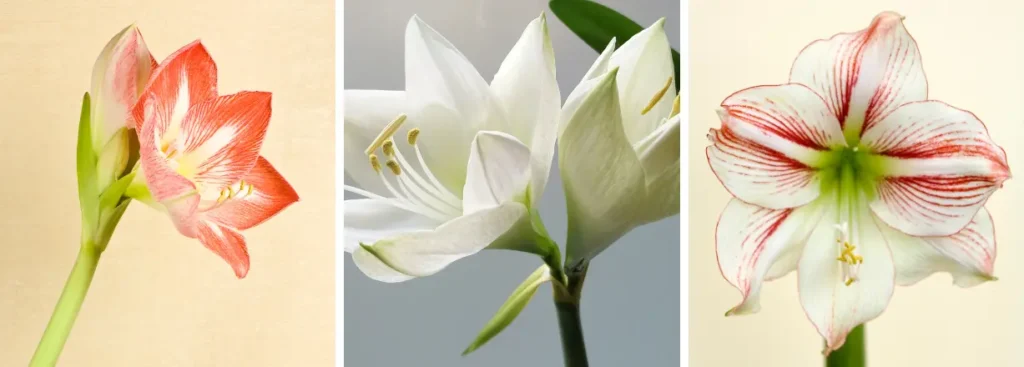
(849,260)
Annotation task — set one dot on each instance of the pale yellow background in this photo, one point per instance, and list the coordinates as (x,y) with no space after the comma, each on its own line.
(160,299)
(973,56)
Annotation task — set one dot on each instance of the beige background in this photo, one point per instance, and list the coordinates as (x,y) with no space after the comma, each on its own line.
(160,299)
(973,52)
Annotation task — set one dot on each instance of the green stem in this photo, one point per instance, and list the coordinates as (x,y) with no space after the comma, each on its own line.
(567,303)
(851,354)
(64,314)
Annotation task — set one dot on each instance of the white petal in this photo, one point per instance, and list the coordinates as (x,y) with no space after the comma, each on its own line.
(601,173)
(659,157)
(498,171)
(425,253)
(375,269)
(865,75)
(366,114)
(750,239)
(969,255)
(939,167)
(771,141)
(526,88)
(833,307)
(371,220)
(646,67)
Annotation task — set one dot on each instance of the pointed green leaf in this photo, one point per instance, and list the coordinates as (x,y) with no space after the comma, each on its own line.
(86,167)
(512,307)
(115,192)
(597,24)
(109,221)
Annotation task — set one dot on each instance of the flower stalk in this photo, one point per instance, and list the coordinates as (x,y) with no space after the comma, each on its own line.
(852,353)
(567,304)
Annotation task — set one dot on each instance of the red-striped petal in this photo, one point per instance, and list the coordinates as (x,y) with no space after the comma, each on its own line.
(270,194)
(864,75)
(771,140)
(226,243)
(969,255)
(939,166)
(221,138)
(163,181)
(185,78)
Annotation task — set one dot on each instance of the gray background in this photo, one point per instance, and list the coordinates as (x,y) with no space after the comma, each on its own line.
(630,306)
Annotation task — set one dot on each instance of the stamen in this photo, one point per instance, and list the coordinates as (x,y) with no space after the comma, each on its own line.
(675,107)
(374,162)
(412,135)
(850,262)
(394,167)
(389,148)
(386,134)
(657,97)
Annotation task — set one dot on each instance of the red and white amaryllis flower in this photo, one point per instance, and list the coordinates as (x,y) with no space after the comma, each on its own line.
(199,155)
(852,177)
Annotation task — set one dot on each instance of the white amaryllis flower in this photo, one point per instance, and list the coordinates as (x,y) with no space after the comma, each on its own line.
(851,177)
(618,146)
(460,167)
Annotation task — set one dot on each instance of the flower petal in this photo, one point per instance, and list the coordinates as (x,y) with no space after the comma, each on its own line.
(270,194)
(367,112)
(531,104)
(425,253)
(185,78)
(771,140)
(162,180)
(498,171)
(221,138)
(226,243)
(832,306)
(646,75)
(118,76)
(750,239)
(939,167)
(864,75)
(372,220)
(659,157)
(969,255)
(376,269)
(601,174)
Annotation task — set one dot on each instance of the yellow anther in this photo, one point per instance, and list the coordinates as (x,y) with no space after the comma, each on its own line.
(222,197)
(374,162)
(850,281)
(675,107)
(657,97)
(413,134)
(394,167)
(388,147)
(386,134)
(249,189)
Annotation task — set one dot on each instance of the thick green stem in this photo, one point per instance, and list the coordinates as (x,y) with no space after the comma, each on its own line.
(851,354)
(64,314)
(567,303)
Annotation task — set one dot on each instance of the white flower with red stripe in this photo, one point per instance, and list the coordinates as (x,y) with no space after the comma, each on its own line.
(852,177)
(199,155)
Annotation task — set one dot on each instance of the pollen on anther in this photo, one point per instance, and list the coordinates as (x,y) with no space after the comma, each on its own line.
(388,147)
(675,107)
(375,163)
(657,97)
(394,167)
(413,134)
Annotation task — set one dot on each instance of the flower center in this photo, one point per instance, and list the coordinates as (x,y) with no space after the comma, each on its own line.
(851,171)
(416,191)
(849,260)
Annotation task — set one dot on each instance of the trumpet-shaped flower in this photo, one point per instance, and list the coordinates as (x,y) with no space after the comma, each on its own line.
(199,155)
(461,166)
(852,177)
(618,144)
(118,76)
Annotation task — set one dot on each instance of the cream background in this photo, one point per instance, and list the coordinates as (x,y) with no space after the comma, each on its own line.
(973,52)
(160,299)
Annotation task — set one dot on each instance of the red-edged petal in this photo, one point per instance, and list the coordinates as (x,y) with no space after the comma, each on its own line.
(120,73)
(771,139)
(270,194)
(939,166)
(864,75)
(163,181)
(221,138)
(750,239)
(226,243)
(969,255)
(185,78)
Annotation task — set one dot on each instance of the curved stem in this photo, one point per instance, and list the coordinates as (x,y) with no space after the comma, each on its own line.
(567,303)
(70,302)
(851,354)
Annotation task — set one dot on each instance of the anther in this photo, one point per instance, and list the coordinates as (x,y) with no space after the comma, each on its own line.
(374,162)
(389,148)
(394,167)
(675,107)
(386,134)
(657,97)
(413,134)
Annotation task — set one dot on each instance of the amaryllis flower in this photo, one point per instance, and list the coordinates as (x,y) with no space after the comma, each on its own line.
(118,76)
(452,164)
(200,155)
(852,177)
